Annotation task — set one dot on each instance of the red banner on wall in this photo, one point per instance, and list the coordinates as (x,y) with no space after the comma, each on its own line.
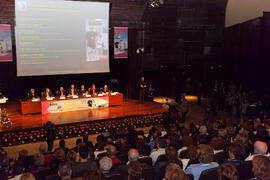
(5,43)
(120,42)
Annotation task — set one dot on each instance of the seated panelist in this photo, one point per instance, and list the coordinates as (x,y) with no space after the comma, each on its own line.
(93,90)
(82,90)
(72,91)
(105,89)
(47,93)
(32,94)
(61,92)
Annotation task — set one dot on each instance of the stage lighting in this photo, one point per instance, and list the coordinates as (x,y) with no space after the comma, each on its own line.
(154,3)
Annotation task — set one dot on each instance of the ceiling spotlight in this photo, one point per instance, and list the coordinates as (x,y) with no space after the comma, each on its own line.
(154,3)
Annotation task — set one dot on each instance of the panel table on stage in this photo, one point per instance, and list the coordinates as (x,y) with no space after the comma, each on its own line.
(31,107)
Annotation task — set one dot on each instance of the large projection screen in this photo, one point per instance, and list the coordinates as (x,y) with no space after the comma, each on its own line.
(61,37)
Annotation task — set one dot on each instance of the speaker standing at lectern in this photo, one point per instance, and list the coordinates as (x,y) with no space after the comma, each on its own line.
(142,89)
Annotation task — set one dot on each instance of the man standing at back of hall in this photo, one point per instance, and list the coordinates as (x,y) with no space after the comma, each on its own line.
(142,89)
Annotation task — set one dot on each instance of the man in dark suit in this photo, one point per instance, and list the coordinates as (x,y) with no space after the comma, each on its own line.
(142,89)
(93,90)
(82,91)
(47,93)
(72,91)
(32,94)
(61,92)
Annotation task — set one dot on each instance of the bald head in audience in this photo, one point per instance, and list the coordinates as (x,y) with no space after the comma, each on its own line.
(260,147)
(133,155)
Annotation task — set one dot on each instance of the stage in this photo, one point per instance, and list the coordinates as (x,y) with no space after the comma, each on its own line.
(129,114)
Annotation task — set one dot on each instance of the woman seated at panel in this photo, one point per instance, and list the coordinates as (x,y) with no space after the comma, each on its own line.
(93,90)
(105,89)
(32,94)
(61,92)
(47,93)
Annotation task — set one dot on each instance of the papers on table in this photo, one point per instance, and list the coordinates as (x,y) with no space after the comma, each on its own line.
(75,96)
(101,94)
(87,95)
(35,99)
(50,98)
(114,93)
(3,100)
(62,97)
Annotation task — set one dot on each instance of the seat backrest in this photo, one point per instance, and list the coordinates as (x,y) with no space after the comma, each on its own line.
(245,170)
(146,160)
(42,173)
(209,174)
(190,176)
(148,173)
(115,176)
(220,157)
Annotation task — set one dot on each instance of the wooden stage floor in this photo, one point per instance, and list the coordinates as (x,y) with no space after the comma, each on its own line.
(129,108)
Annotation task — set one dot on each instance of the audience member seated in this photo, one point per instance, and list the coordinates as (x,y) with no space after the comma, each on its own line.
(59,157)
(112,151)
(47,155)
(62,145)
(171,156)
(28,161)
(174,172)
(105,165)
(260,148)
(83,163)
(65,172)
(227,171)
(236,153)
(18,170)
(39,163)
(205,157)
(160,150)
(187,141)
(134,171)
(27,176)
(203,137)
(71,157)
(191,156)
(100,145)
(93,174)
(78,143)
(220,155)
(261,167)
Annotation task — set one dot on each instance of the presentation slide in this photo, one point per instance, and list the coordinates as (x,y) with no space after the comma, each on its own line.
(61,37)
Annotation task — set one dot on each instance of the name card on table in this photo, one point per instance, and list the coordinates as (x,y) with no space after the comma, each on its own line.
(35,99)
(114,93)
(75,96)
(3,100)
(87,95)
(62,97)
(50,98)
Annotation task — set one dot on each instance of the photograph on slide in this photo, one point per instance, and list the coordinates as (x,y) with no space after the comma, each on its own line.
(96,39)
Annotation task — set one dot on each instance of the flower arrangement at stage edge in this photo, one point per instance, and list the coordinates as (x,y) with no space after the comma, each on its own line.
(5,119)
